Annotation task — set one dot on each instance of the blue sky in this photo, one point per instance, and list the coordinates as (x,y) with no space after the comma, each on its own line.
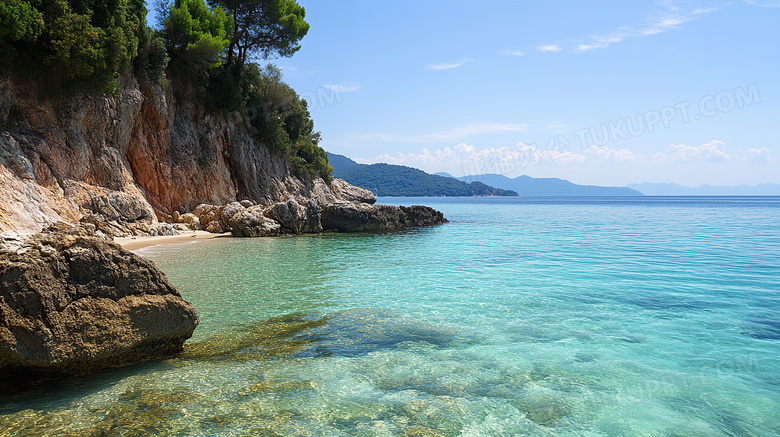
(597,92)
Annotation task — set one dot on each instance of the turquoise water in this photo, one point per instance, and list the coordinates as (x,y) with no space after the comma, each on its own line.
(530,317)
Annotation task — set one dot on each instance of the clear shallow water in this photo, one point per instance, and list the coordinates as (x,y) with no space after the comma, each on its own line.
(538,317)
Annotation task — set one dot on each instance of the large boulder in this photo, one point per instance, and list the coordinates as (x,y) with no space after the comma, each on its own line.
(72,303)
(351,193)
(362,217)
(297,218)
(252,222)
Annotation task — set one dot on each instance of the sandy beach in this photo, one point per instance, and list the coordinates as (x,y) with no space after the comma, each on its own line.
(135,243)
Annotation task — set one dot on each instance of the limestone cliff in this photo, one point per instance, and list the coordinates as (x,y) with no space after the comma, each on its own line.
(133,158)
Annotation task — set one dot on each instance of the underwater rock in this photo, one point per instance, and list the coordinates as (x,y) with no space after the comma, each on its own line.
(347,333)
(72,303)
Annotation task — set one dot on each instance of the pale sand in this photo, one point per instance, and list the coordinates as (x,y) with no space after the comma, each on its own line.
(135,243)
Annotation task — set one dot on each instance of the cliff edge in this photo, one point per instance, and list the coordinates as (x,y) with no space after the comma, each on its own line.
(129,161)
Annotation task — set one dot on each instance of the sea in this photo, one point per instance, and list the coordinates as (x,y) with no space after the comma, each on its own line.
(621,316)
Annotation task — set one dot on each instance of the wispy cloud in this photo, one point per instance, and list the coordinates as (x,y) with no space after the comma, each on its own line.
(343,87)
(671,15)
(713,151)
(512,52)
(556,128)
(454,134)
(292,71)
(550,48)
(448,66)
(764,4)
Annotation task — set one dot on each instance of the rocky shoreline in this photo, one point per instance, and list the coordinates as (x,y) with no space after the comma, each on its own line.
(73,302)
(135,163)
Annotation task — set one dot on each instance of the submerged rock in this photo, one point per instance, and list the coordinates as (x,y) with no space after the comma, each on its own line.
(72,303)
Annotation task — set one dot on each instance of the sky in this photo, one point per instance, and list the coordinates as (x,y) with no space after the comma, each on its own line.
(598,92)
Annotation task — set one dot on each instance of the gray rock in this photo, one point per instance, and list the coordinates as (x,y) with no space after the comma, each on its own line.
(121,208)
(214,227)
(72,304)
(313,222)
(228,211)
(350,193)
(289,214)
(163,229)
(190,220)
(362,217)
(252,222)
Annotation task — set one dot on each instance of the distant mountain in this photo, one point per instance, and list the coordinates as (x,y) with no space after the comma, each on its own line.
(661,189)
(340,162)
(443,174)
(528,186)
(399,180)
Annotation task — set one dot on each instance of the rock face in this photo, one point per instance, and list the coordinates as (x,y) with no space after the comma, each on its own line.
(130,160)
(73,303)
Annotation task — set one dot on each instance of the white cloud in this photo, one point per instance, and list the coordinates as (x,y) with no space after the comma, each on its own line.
(448,66)
(549,48)
(466,160)
(770,4)
(609,154)
(713,151)
(474,129)
(292,71)
(556,128)
(513,52)
(755,156)
(343,87)
(671,17)
(453,134)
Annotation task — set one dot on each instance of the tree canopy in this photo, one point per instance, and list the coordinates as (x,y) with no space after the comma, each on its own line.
(82,43)
(264,27)
(195,35)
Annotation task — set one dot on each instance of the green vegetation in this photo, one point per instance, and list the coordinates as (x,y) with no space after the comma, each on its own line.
(70,46)
(266,27)
(399,180)
(204,51)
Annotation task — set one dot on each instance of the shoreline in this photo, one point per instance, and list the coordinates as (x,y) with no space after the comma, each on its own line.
(141,242)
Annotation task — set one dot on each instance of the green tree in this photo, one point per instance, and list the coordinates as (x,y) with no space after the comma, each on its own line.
(79,44)
(19,20)
(282,120)
(196,35)
(264,27)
